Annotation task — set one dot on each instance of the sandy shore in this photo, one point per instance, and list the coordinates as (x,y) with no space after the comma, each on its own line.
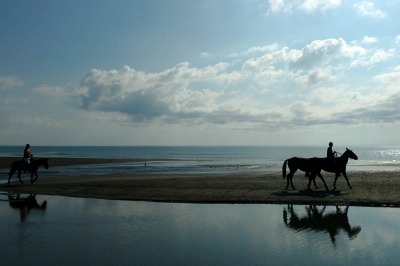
(369,188)
(379,189)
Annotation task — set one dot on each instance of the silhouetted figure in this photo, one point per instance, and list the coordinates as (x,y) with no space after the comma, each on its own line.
(27,156)
(332,155)
(329,152)
(25,204)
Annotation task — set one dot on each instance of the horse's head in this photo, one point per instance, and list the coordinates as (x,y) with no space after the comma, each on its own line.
(350,154)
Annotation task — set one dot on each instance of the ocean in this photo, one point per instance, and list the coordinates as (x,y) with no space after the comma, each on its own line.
(196,159)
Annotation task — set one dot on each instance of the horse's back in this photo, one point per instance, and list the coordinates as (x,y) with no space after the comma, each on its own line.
(16,164)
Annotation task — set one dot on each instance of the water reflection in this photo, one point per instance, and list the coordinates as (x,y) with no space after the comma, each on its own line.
(25,203)
(317,220)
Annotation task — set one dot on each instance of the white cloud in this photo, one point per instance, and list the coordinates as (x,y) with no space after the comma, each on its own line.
(262,49)
(315,77)
(51,91)
(368,39)
(276,5)
(205,55)
(373,57)
(368,9)
(308,6)
(10,82)
(397,39)
(392,77)
(317,53)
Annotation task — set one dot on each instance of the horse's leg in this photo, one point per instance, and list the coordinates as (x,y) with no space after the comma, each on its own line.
(336,177)
(345,176)
(19,176)
(291,181)
(36,177)
(10,174)
(311,176)
(289,178)
(315,185)
(323,180)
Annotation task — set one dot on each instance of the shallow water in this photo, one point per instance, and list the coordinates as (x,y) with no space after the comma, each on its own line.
(72,231)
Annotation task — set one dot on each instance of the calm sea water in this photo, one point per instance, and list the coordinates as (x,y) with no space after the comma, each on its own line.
(76,231)
(201,159)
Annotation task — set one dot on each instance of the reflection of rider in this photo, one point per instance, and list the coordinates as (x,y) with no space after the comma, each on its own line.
(27,155)
(25,204)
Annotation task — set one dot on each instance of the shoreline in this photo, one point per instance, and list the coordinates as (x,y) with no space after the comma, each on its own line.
(5,162)
(374,189)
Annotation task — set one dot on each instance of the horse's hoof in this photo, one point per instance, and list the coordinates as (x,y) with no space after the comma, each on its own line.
(351,187)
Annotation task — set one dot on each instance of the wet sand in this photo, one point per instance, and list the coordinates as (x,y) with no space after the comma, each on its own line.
(369,188)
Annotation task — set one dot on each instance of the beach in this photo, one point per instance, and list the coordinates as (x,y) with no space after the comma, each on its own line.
(380,188)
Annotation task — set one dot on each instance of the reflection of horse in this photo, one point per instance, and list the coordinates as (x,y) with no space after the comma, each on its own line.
(316,220)
(25,204)
(32,168)
(315,165)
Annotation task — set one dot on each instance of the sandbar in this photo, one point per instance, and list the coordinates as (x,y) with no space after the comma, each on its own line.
(379,188)
(369,189)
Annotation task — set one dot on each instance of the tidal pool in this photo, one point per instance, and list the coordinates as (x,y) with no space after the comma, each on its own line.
(53,230)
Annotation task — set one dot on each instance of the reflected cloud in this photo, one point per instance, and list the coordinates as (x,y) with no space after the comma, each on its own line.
(316,219)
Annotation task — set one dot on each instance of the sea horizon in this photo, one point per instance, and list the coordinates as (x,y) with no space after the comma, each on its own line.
(201,159)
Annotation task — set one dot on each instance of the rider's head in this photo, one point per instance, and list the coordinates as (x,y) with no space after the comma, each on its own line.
(330,144)
(27,146)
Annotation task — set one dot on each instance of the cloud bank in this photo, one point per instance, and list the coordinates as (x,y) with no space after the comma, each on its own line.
(273,86)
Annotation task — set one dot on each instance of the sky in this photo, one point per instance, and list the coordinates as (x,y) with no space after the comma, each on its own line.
(210,72)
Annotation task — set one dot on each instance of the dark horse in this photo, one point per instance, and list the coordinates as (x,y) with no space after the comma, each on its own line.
(313,167)
(32,168)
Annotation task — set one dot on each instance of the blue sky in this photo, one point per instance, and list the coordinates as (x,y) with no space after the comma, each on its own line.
(223,72)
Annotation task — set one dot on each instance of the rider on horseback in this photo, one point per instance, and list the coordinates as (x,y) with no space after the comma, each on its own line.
(27,156)
(331,154)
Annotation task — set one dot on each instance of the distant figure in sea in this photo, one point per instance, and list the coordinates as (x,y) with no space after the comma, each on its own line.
(27,155)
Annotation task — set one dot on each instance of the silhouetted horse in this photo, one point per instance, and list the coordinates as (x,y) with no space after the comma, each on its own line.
(313,167)
(32,168)
(331,222)
(336,165)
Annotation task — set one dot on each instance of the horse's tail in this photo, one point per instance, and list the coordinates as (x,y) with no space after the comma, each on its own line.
(284,168)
